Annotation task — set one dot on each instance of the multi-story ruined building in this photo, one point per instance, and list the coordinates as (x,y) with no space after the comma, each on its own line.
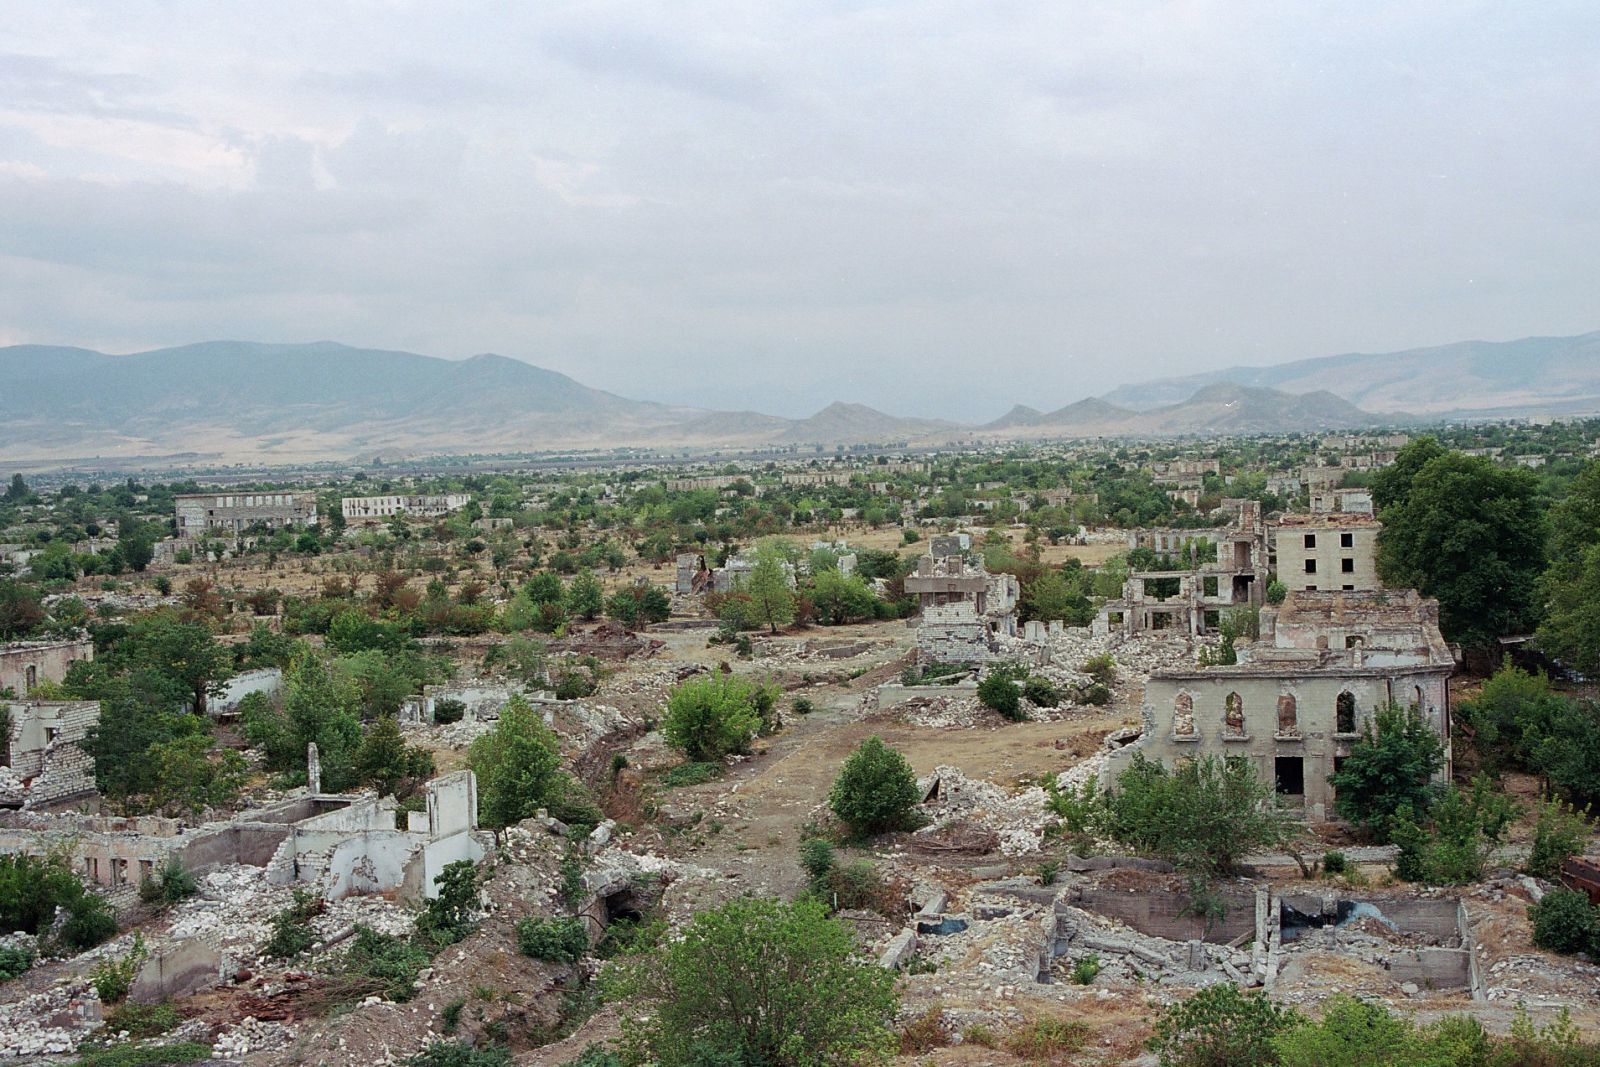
(24,664)
(41,761)
(227,514)
(965,609)
(376,508)
(1301,694)
(1331,552)
(1192,601)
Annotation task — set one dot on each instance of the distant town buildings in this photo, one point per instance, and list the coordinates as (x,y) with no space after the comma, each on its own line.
(231,514)
(357,509)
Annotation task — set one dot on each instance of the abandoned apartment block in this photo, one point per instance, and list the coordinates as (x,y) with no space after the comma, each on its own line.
(1328,552)
(1302,692)
(1192,601)
(230,514)
(363,509)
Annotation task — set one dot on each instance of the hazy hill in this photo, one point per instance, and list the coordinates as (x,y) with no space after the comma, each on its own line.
(841,423)
(1532,374)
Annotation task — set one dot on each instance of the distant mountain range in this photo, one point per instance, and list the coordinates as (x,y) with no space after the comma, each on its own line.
(230,401)
(1535,374)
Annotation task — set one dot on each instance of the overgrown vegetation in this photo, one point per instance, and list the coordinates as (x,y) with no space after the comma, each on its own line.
(876,790)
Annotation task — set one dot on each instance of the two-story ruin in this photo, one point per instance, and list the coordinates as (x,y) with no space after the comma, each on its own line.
(965,609)
(229,514)
(25,664)
(1301,694)
(364,509)
(1327,551)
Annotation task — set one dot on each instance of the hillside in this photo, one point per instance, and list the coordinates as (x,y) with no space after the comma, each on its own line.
(1529,375)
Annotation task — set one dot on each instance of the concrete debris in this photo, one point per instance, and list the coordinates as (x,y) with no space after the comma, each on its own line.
(1018,818)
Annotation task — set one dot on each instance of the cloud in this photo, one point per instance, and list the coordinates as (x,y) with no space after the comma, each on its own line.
(932,207)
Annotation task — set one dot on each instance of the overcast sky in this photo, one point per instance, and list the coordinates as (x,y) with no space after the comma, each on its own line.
(934,208)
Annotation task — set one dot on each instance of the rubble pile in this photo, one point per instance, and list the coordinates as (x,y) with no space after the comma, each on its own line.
(1018,819)
(53,1022)
(251,1036)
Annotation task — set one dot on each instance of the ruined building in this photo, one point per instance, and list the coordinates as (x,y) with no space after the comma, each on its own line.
(1302,692)
(376,508)
(1330,552)
(41,761)
(230,514)
(1192,601)
(24,664)
(965,609)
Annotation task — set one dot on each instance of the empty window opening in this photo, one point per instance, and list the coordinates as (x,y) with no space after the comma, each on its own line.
(1311,566)
(1289,776)
(1311,540)
(1347,565)
(1344,714)
(1347,540)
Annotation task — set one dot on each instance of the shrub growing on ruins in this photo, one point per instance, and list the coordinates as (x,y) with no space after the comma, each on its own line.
(1389,771)
(388,964)
(1565,921)
(459,1054)
(387,763)
(32,888)
(291,927)
(876,790)
(172,883)
(999,690)
(1041,692)
(1220,1026)
(553,939)
(756,981)
(15,960)
(1276,592)
(448,917)
(1559,832)
(1101,668)
(712,716)
(518,764)
(1202,817)
(113,976)
(816,859)
(448,710)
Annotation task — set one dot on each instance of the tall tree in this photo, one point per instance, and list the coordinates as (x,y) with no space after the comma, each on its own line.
(1392,484)
(772,600)
(1471,534)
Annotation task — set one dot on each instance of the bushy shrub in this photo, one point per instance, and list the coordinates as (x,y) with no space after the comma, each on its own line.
(113,976)
(712,716)
(448,916)
(858,886)
(1101,668)
(170,884)
(1000,691)
(1559,832)
(1046,1040)
(876,790)
(291,927)
(803,706)
(1220,1026)
(1335,863)
(33,887)
(1085,970)
(448,710)
(1564,921)
(553,939)
(1095,694)
(14,960)
(1041,692)
(597,1056)
(390,963)
(692,774)
(755,981)
(459,1054)
(816,859)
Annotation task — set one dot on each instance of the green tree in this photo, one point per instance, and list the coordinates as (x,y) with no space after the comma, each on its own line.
(316,708)
(20,610)
(756,981)
(1471,534)
(876,790)
(387,763)
(518,764)
(1570,632)
(17,492)
(772,602)
(841,599)
(585,598)
(1391,486)
(1053,596)
(1389,772)
(187,776)
(1203,817)
(183,652)
(1354,1033)
(712,716)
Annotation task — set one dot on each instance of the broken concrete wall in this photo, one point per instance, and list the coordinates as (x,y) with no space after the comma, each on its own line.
(178,969)
(268,681)
(25,664)
(1165,914)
